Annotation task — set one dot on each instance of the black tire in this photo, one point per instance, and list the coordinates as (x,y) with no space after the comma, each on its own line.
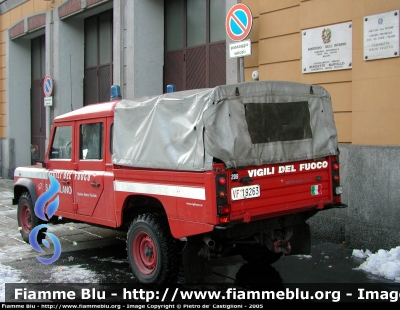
(258,254)
(152,251)
(27,220)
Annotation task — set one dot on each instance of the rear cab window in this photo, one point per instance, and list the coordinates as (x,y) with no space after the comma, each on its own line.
(91,137)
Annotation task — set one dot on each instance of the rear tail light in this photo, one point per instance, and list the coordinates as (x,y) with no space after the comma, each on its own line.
(336,178)
(337,189)
(222,179)
(224,219)
(222,194)
(223,208)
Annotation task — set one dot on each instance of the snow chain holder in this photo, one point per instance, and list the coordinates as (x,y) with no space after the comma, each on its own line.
(282,246)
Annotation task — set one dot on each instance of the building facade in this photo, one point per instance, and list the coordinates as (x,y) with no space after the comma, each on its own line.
(86,46)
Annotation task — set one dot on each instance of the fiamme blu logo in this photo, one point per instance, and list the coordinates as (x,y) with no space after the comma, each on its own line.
(51,209)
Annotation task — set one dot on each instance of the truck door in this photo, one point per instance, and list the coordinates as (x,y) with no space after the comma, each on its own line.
(60,164)
(90,163)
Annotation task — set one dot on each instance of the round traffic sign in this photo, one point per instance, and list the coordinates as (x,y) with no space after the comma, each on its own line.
(48,86)
(238,22)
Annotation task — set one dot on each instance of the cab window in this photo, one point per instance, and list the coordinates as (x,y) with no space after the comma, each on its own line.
(61,147)
(91,137)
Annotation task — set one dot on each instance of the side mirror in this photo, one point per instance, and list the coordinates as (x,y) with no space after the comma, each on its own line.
(35,152)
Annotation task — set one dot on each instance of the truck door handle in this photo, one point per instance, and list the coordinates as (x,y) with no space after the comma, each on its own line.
(65,182)
(95,184)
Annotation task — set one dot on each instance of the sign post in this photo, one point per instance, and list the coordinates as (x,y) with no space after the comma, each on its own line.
(239,21)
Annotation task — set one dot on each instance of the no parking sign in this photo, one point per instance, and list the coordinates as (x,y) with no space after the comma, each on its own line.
(47,86)
(48,89)
(239,21)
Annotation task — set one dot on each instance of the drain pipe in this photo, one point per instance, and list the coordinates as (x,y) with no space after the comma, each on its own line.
(49,68)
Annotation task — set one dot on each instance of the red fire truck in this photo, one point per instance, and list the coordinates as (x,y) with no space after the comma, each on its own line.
(235,169)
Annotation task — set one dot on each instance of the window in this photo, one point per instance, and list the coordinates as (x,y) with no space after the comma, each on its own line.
(217,21)
(198,21)
(195,47)
(91,137)
(61,147)
(98,57)
(175,24)
(283,121)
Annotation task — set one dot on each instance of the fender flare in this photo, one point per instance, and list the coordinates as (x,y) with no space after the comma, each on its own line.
(19,189)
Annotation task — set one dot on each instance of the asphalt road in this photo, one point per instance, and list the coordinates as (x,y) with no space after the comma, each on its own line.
(92,254)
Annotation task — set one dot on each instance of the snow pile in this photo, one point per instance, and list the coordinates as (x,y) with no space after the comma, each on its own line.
(383,263)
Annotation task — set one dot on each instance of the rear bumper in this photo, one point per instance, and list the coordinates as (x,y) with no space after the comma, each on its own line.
(334,206)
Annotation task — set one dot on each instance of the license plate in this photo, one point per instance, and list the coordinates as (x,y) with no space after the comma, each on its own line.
(245,192)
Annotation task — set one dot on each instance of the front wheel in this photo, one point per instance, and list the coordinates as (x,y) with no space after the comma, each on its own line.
(152,251)
(27,220)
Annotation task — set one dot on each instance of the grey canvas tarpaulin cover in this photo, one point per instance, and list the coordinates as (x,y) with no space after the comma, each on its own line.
(244,124)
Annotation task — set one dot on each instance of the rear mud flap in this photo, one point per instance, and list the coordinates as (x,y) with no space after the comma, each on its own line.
(196,260)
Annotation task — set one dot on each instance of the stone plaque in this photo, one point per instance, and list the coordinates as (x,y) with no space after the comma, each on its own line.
(327,48)
(381,35)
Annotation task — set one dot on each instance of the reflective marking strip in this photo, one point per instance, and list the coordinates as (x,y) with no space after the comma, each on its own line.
(30,172)
(158,189)
(131,187)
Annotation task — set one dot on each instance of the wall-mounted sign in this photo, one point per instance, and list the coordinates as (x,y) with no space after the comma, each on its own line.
(240,49)
(327,48)
(381,35)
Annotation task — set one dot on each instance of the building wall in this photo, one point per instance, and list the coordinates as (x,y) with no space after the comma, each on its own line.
(12,12)
(15,76)
(138,61)
(364,95)
(18,113)
(144,48)
(366,105)
(370,176)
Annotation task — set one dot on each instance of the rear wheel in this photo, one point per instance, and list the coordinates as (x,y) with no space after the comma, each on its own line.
(27,220)
(152,251)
